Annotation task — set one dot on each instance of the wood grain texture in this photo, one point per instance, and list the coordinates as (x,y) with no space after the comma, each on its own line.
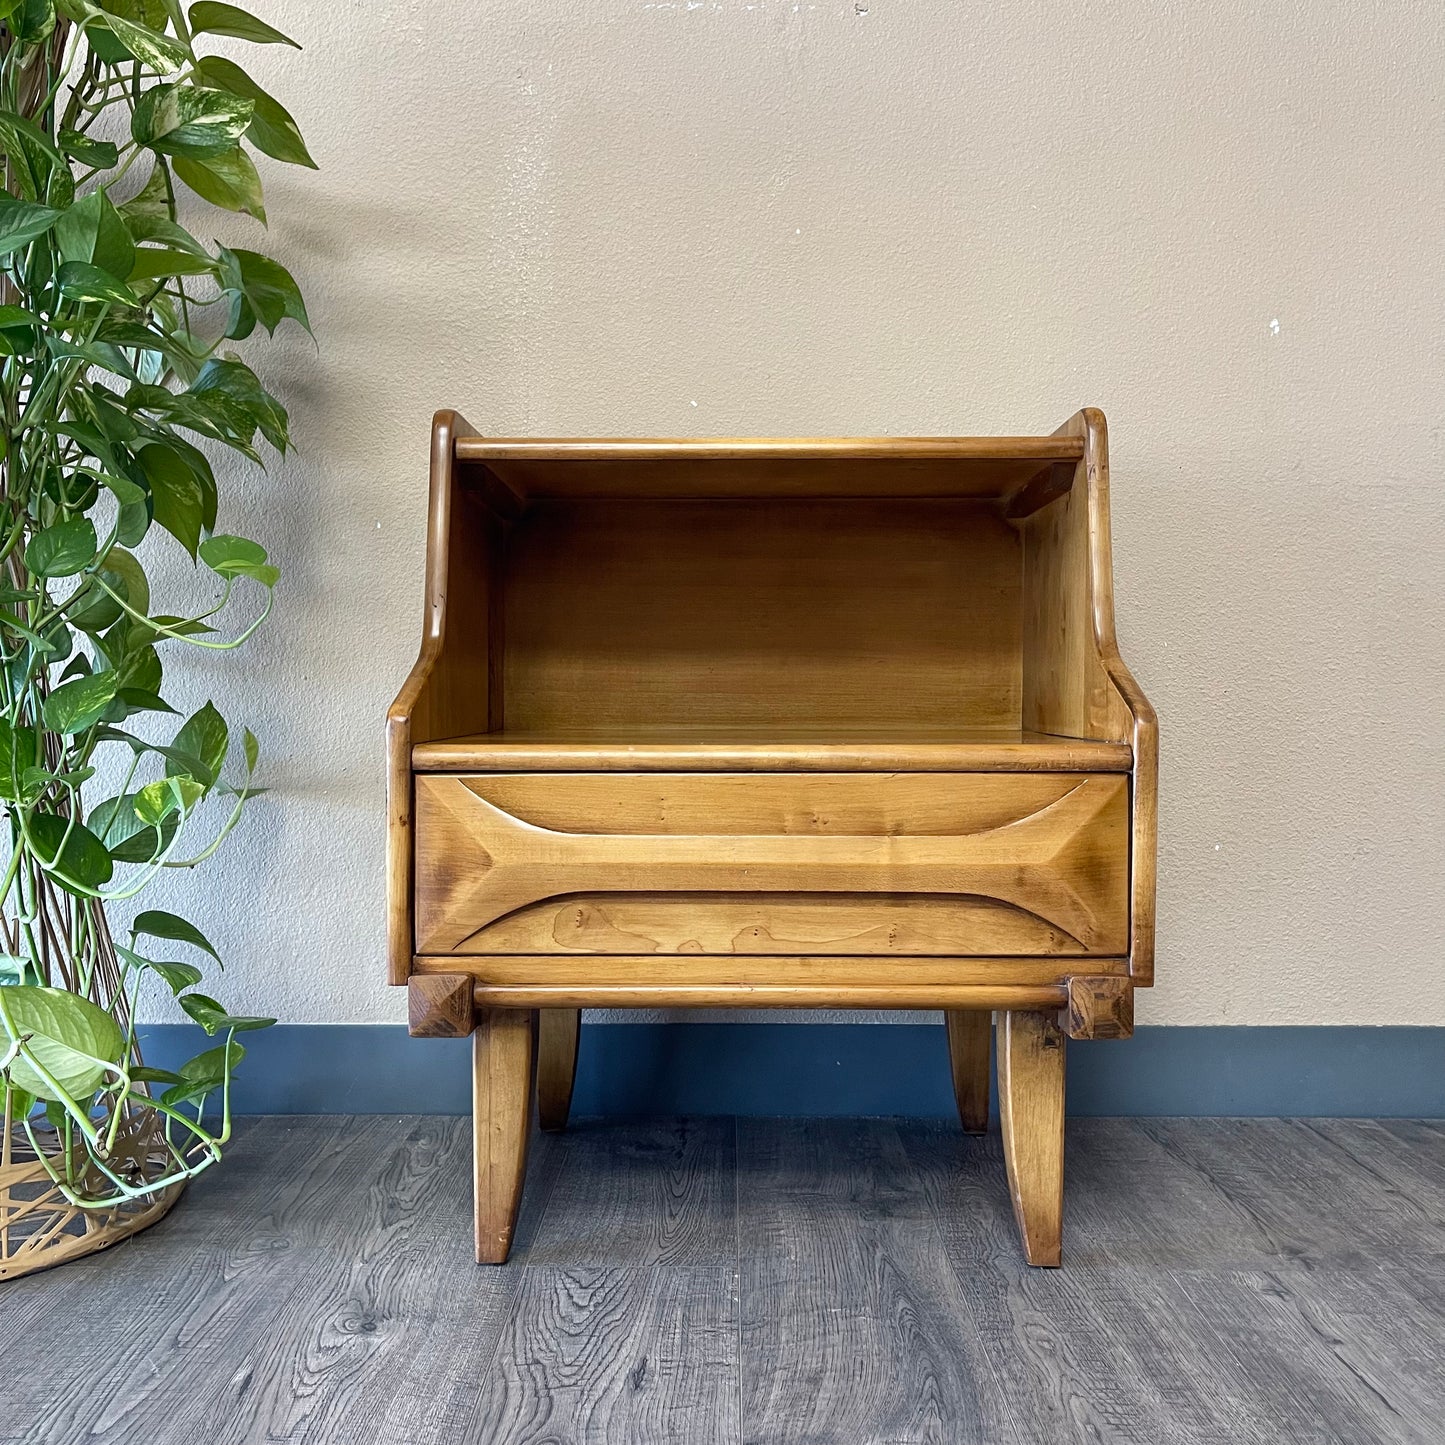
(844,973)
(773,747)
(1143,723)
(559,1032)
(720,992)
(636,1357)
(808,613)
(658,1192)
(439,1006)
(448,690)
(1031,1111)
(1051,845)
(1100,1007)
(744,925)
(315,1290)
(720,468)
(952,451)
(501,1126)
(1074,680)
(970,1042)
(853,1325)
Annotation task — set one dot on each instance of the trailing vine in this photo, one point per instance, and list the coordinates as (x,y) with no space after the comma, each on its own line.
(119,380)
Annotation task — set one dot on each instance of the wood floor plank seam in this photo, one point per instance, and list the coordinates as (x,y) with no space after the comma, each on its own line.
(1228,1283)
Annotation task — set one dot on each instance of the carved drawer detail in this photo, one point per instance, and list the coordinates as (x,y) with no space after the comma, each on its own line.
(772,863)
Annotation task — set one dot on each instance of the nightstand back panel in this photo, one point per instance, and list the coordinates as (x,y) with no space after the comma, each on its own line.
(762,611)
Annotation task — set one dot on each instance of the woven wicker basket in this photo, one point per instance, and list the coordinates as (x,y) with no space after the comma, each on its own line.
(39,1227)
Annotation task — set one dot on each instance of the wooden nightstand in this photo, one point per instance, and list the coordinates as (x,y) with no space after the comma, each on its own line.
(821,723)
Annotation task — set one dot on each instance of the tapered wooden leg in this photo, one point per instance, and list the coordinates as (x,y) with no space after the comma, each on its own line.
(501,1122)
(558,1032)
(970,1031)
(1031,1106)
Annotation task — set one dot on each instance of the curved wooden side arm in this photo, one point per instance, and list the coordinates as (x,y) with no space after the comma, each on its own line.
(1075,681)
(1144,721)
(448,691)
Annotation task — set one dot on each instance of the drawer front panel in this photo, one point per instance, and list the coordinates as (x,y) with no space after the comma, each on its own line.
(772,863)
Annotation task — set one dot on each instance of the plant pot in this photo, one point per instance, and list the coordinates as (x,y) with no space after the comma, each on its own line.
(39,1227)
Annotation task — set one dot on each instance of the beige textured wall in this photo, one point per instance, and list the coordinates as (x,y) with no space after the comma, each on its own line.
(1221,222)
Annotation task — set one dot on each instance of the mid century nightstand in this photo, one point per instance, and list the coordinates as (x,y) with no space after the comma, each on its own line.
(821,723)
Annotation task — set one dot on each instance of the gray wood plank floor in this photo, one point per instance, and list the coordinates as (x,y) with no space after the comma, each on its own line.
(775,1282)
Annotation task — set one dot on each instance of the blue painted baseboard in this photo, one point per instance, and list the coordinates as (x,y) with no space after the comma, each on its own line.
(841,1069)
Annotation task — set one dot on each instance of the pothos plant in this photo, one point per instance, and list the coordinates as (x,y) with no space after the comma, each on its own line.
(117,327)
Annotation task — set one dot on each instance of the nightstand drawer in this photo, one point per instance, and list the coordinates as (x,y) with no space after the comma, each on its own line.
(944,864)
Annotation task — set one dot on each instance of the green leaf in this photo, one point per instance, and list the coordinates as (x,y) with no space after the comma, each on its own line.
(80,281)
(74,706)
(186,121)
(202,741)
(21,222)
(145,226)
(38,170)
(156,923)
(147,1075)
(238,557)
(273,130)
(99,155)
(213,1017)
(68,847)
(205,1073)
(60,1030)
(227,180)
(152,202)
(208,17)
(33,21)
(233,379)
(134,517)
(162,53)
(154,262)
(15,970)
(175,494)
(61,550)
(92,230)
(167,796)
(178,976)
(19,750)
(253,749)
(98,610)
(127,839)
(259,287)
(16,317)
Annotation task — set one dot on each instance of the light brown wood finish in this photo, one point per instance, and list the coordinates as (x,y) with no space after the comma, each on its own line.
(692,980)
(970,1034)
(1031,1110)
(1100,1008)
(501,1126)
(841,974)
(900,993)
(439,1005)
(901,467)
(1074,679)
(448,690)
(1052,846)
(822,722)
(914,748)
(559,1032)
(864,613)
